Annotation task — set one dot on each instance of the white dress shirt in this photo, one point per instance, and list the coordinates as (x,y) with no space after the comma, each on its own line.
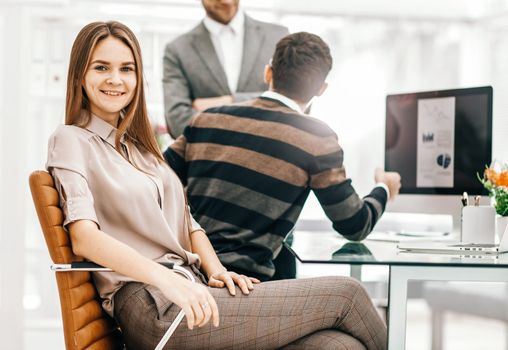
(228,43)
(283,99)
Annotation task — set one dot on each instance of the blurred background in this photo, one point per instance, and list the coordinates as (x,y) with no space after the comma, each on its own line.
(379,47)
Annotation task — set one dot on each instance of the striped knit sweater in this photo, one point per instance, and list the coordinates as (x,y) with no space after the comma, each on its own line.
(249,169)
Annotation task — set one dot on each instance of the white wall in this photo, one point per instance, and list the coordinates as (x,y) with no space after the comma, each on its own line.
(13,150)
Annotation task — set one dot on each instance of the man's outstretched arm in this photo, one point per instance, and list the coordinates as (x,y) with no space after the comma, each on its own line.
(352,216)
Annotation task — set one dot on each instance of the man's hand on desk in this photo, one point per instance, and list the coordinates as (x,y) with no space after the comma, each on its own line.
(200,104)
(390,179)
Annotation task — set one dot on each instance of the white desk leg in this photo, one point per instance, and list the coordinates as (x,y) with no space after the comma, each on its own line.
(397,297)
(355,271)
(397,302)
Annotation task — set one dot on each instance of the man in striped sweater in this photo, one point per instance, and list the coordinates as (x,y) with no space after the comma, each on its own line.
(249,167)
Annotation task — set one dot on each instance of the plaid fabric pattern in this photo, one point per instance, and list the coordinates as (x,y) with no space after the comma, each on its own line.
(326,340)
(315,313)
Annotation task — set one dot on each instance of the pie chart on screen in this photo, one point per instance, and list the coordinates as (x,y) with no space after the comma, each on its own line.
(444,160)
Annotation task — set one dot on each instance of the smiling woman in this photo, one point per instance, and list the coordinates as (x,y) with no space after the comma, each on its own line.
(125,209)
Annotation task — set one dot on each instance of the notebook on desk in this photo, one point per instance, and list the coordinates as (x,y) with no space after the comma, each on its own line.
(459,248)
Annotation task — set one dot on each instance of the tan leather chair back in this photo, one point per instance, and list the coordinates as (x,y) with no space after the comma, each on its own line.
(85,324)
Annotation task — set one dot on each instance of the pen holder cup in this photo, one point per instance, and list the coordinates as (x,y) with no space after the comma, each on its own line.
(478,224)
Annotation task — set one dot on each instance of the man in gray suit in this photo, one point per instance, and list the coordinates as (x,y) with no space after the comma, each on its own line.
(219,62)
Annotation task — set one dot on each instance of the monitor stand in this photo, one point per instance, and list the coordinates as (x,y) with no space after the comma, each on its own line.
(424,213)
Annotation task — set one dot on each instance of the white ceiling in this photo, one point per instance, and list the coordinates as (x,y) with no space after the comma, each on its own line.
(455,10)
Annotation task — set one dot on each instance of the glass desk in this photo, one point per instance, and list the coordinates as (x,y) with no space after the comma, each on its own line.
(330,248)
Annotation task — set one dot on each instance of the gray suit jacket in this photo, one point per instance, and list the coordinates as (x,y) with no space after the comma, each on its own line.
(192,69)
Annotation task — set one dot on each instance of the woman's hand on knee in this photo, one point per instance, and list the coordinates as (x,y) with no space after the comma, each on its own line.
(195,300)
(229,279)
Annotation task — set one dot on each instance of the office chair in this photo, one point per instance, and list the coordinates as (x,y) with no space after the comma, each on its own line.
(86,325)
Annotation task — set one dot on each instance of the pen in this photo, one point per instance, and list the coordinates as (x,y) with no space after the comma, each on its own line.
(476,201)
(464,199)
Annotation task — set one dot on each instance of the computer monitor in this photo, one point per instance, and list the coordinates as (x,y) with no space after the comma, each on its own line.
(438,141)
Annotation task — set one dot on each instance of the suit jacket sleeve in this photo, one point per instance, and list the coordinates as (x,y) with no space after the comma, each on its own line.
(177,94)
(352,216)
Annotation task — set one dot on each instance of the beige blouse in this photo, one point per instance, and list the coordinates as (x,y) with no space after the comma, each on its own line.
(143,209)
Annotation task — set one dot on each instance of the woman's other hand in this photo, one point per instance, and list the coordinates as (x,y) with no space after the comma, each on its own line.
(229,279)
(195,300)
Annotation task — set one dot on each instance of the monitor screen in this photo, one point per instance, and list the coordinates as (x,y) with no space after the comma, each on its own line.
(439,140)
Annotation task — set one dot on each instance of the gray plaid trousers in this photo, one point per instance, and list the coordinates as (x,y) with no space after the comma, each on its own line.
(315,313)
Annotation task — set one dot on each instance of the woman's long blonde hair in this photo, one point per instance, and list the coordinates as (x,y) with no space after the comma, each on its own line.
(135,122)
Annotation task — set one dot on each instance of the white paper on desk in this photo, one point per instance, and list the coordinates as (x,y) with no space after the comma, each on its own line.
(424,234)
(392,236)
(383,237)
(436,138)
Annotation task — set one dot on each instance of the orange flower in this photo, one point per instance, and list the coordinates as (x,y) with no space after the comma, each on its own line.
(492,176)
(502,179)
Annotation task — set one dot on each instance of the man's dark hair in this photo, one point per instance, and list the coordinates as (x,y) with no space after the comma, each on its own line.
(300,65)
